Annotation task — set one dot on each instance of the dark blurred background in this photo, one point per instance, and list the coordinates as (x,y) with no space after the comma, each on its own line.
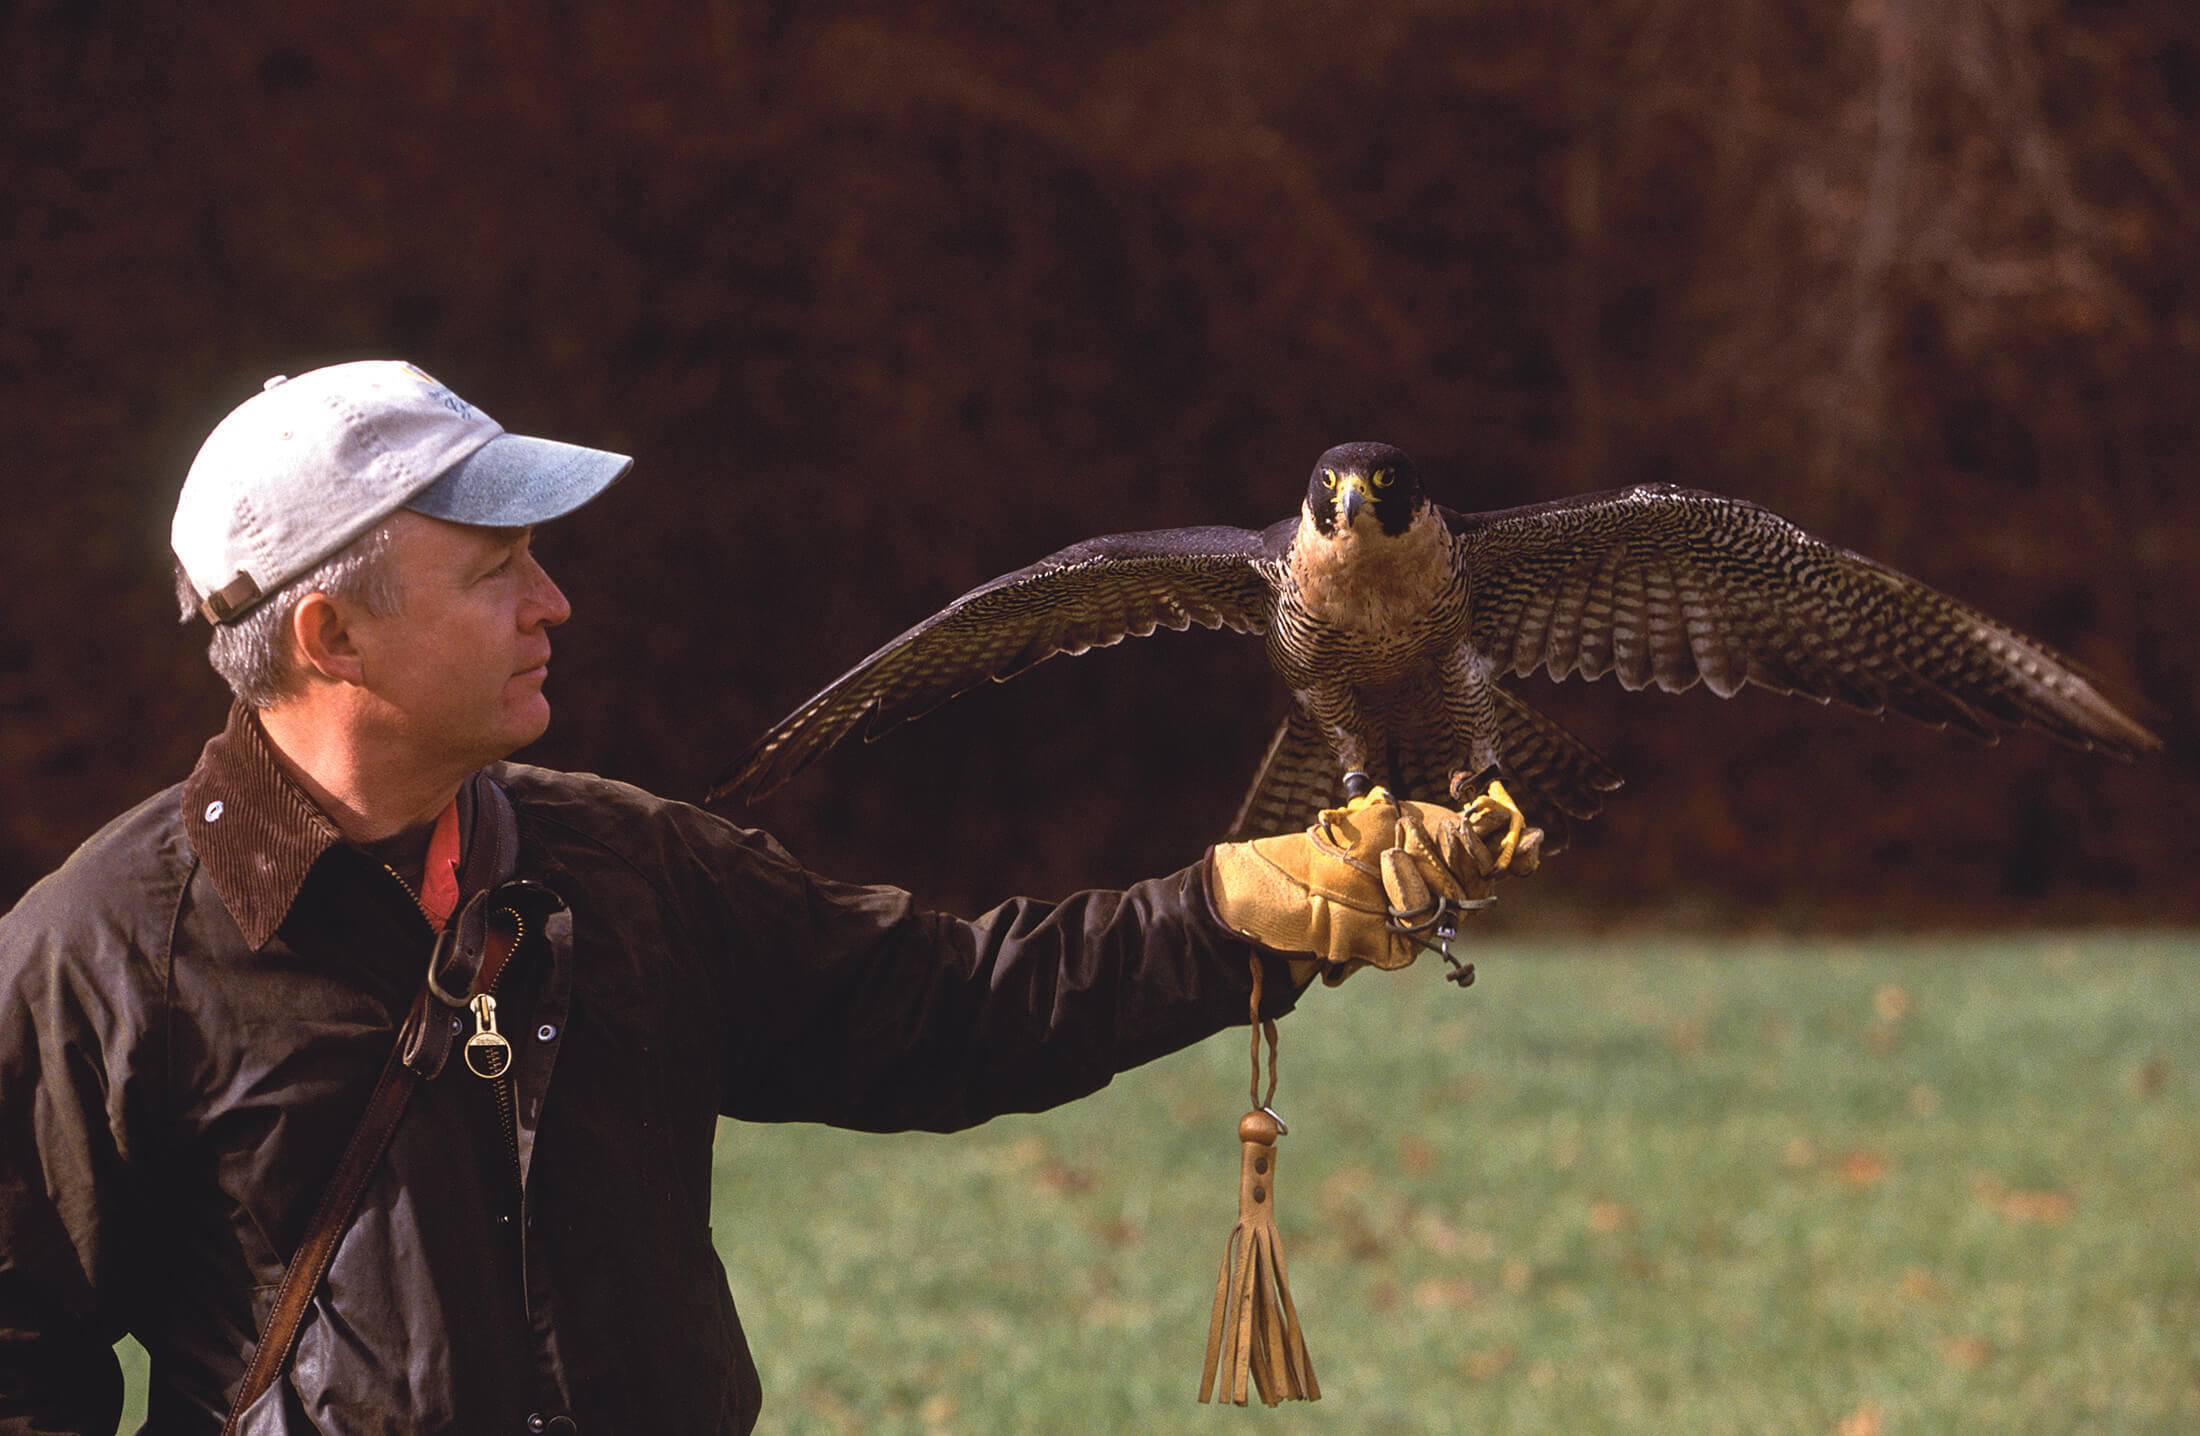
(893,298)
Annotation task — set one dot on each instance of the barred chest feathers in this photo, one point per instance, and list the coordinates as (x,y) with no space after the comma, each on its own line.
(1369,596)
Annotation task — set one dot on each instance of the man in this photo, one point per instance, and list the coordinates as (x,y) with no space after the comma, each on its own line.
(195,1007)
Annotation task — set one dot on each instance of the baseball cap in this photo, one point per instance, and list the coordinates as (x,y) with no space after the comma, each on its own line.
(310,463)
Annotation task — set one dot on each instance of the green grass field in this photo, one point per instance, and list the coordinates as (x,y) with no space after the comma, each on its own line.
(1690,1185)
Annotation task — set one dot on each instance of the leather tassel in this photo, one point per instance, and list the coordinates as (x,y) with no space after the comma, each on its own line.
(1254,1330)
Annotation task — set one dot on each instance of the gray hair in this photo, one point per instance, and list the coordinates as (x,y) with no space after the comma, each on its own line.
(255,653)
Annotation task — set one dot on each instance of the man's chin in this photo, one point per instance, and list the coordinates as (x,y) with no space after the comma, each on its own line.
(529,732)
(523,730)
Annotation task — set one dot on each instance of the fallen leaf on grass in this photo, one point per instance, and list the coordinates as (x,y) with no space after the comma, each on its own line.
(827,1406)
(1437,1293)
(1919,1284)
(1346,1221)
(2051,1208)
(1064,1180)
(2147,1078)
(1607,1217)
(1340,1187)
(1439,1237)
(2017,1204)
(1485,1365)
(1862,1168)
(1685,1037)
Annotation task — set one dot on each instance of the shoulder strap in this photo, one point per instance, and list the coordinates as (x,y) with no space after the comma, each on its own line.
(310,1262)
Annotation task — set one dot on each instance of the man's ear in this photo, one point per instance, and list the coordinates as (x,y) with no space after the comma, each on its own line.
(326,645)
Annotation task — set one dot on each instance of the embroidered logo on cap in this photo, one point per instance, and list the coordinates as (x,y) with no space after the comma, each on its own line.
(441,392)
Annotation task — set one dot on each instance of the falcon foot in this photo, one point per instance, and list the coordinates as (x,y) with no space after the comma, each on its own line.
(1493,803)
(1368,795)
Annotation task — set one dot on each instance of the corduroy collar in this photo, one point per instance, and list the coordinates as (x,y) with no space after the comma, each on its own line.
(259,834)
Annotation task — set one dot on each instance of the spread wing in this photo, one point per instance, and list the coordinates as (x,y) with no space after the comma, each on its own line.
(1089,595)
(1668,586)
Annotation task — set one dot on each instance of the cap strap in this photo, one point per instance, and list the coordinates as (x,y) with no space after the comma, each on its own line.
(231,599)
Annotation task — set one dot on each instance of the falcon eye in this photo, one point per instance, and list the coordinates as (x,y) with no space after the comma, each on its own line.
(1329,478)
(1383,478)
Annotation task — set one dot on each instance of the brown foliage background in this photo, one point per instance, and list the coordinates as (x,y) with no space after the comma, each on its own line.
(892,298)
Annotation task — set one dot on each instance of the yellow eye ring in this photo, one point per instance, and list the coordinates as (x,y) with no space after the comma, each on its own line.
(1383,478)
(1329,478)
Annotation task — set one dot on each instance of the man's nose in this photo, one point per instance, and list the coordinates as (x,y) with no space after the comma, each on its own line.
(546,601)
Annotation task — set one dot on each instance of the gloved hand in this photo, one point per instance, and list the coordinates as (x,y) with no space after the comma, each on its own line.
(1371,884)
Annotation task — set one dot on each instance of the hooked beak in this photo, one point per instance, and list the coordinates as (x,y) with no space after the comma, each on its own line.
(1351,500)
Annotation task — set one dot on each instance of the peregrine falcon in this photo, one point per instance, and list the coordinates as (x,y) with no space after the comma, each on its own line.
(1391,619)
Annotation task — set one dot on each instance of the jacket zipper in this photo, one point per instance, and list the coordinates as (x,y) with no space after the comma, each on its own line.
(408,887)
(507,1100)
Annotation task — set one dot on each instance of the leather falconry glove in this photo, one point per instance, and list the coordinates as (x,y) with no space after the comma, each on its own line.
(1372,884)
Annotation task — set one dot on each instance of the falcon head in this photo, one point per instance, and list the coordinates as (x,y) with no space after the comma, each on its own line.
(1371,480)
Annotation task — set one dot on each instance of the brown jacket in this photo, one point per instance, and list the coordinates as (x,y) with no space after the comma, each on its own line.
(195,1006)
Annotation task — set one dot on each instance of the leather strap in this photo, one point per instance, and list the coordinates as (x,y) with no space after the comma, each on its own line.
(310,1262)
(470,951)
(231,599)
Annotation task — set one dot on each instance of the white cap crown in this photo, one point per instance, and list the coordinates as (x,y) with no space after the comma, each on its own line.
(308,464)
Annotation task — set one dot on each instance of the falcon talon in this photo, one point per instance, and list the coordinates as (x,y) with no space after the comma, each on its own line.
(1464,782)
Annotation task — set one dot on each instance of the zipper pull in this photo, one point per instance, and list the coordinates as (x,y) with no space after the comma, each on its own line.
(487,1053)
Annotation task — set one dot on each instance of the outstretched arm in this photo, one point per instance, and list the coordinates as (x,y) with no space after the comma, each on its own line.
(854,1006)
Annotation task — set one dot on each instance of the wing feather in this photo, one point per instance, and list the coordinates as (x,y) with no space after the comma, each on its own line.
(1674,586)
(1087,596)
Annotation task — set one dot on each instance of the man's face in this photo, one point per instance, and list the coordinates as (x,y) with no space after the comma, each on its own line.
(458,669)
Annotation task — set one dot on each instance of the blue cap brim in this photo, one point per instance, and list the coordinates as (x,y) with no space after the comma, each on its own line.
(514,481)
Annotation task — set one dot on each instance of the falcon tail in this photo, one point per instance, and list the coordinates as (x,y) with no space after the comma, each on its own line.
(1555,777)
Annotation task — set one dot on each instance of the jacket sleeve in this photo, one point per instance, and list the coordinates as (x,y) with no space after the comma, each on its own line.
(854,1006)
(61,1176)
